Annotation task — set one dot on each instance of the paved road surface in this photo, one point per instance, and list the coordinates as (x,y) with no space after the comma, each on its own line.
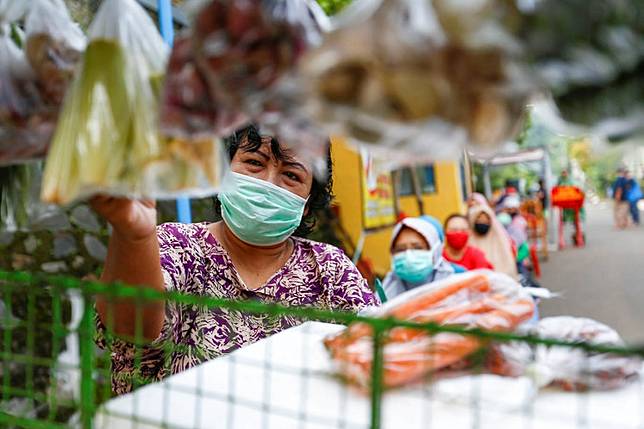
(605,280)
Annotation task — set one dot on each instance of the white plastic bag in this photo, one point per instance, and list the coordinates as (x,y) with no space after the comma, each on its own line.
(53,46)
(26,121)
(34,80)
(566,367)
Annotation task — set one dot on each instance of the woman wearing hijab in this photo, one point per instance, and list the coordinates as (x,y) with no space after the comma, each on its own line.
(458,250)
(477,199)
(490,236)
(417,257)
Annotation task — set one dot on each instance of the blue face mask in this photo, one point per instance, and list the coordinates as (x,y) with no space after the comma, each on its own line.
(414,266)
(259,212)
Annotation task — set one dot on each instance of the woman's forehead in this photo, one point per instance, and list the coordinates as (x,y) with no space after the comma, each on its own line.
(277,151)
(409,234)
(456,222)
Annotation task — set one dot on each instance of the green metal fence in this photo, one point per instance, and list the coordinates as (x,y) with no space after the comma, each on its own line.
(53,375)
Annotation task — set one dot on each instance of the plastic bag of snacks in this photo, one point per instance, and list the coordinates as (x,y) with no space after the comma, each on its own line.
(107,139)
(569,368)
(33,81)
(53,46)
(418,74)
(221,73)
(477,299)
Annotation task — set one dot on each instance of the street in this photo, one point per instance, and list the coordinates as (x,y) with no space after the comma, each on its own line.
(602,281)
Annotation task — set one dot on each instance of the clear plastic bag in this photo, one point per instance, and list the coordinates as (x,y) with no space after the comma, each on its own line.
(107,139)
(477,299)
(20,205)
(53,46)
(221,73)
(13,10)
(26,121)
(569,368)
(414,76)
(33,81)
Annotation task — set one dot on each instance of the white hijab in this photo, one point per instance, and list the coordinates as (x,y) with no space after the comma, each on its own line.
(392,284)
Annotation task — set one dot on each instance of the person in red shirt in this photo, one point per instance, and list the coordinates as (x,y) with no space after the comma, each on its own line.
(457,251)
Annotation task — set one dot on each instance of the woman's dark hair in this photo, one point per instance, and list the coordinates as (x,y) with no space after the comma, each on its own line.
(249,139)
(454,216)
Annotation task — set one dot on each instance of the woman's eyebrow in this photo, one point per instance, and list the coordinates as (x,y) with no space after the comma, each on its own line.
(295,164)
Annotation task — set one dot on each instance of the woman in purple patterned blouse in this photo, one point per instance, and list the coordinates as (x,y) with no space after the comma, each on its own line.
(256,252)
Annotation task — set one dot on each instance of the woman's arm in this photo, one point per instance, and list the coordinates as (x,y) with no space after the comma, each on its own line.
(132,258)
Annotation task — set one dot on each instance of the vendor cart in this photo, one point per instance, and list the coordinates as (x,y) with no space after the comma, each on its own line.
(569,198)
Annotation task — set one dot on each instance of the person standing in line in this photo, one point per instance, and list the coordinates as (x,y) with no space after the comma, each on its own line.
(633,195)
(621,203)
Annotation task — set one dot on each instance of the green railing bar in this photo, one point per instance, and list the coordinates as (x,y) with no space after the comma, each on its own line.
(376,379)
(86,345)
(28,423)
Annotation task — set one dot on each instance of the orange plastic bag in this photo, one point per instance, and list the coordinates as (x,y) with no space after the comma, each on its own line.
(477,299)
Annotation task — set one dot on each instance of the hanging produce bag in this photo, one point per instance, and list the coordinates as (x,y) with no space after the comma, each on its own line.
(568,368)
(417,76)
(107,138)
(221,74)
(477,299)
(33,80)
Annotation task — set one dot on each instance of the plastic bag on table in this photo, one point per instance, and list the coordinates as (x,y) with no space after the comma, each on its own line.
(477,299)
(219,75)
(423,66)
(569,368)
(107,138)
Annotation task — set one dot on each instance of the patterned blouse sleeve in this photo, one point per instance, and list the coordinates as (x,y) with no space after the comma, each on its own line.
(177,260)
(348,290)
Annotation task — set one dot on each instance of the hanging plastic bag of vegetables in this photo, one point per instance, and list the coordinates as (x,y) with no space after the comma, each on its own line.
(414,76)
(221,73)
(34,80)
(107,138)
